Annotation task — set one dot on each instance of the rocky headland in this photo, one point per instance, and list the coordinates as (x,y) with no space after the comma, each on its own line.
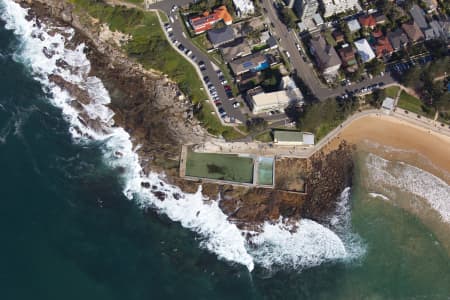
(159,119)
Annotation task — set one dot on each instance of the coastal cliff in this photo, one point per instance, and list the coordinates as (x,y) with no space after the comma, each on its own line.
(151,108)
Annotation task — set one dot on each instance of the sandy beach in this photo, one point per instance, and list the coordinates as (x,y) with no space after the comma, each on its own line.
(397,139)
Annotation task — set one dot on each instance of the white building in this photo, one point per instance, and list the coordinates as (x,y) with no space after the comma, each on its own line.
(293,138)
(333,7)
(264,102)
(388,104)
(244,7)
(364,50)
(353,25)
(306,9)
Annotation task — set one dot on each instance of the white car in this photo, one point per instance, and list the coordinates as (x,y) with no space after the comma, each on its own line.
(236,105)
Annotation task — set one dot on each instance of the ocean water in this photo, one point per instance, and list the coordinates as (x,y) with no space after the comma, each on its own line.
(75,223)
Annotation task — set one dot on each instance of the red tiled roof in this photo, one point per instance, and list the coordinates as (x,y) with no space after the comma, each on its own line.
(383,47)
(367,21)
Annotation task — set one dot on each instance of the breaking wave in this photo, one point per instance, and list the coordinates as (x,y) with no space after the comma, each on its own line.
(311,244)
(413,180)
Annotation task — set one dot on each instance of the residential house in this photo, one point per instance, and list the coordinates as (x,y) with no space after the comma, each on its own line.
(431,5)
(338,36)
(380,19)
(398,39)
(367,21)
(251,63)
(430,34)
(413,31)
(205,22)
(235,49)
(419,16)
(347,54)
(220,36)
(377,33)
(353,25)
(326,57)
(333,7)
(438,31)
(383,47)
(364,50)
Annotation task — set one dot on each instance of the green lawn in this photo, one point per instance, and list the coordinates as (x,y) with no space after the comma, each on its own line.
(391,91)
(220,166)
(163,16)
(414,105)
(265,137)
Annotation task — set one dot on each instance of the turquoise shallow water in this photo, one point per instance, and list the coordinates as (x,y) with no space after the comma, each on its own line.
(69,233)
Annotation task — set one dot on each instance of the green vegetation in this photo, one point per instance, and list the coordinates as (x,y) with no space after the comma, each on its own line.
(427,81)
(391,91)
(163,17)
(150,47)
(270,79)
(375,67)
(329,38)
(322,117)
(376,98)
(288,17)
(265,137)
(413,104)
(220,166)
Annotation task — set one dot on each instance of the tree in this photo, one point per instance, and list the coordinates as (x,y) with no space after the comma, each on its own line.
(288,17)
(347,33)
(377,97)
(256,124)
(375,67)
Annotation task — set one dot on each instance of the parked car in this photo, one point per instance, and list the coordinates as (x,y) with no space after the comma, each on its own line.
(236,104)
(206,79)
(227,87)
(202,65)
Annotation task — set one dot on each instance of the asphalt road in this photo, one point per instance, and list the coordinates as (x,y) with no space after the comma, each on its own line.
(302,68)
(180,36)
(287,42)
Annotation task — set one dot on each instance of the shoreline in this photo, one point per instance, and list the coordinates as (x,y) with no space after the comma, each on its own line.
(398,139)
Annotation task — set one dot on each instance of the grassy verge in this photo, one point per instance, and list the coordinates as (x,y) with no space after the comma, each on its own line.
(391,91)
(414,105)
(210,121)
(265,137)
(163,16)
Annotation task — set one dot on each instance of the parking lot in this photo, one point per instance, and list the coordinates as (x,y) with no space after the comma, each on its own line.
(219,89)
(401,67)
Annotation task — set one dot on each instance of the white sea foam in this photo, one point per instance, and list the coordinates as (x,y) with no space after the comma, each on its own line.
(310,245)
(307,243)
(377,195)
(413,180)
